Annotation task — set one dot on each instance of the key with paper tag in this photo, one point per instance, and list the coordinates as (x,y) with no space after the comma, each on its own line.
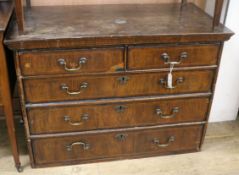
(170,77)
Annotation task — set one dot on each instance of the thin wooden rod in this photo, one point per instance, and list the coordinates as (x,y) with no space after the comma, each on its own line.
(19,15)
(217,12)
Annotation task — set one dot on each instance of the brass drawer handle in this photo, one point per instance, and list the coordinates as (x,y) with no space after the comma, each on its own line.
(173,114)
(121,137)
(166,58)
(157,142)
(163,82)
(120,108)
(62,62)
(123,80)
(65,88)
(85,146)
(84,117)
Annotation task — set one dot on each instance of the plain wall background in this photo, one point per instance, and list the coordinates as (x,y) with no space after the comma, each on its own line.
(226,101)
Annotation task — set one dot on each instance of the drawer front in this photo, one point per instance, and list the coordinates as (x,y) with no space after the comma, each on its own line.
(150,112)
(168,140)
(82,147)
(160,57)
(93,87)
(116,144)
(75,61)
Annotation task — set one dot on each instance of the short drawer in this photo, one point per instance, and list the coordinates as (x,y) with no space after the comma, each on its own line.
(94,87)
(116,115)
(116,144)
(154,57)
(72,61)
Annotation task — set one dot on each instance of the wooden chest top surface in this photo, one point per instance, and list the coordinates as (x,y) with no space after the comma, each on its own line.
(92,25)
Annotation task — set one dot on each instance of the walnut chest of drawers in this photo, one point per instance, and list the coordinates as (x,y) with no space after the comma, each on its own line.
(98,87)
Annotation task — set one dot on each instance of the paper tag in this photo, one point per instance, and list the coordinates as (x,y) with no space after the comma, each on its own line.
(170,77)
(170,80)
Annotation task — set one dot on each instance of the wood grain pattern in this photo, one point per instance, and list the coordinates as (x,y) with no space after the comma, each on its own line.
(53,150)
(97,60)
(50,90)
(150,57)
(102,25)
(103,116)
(20,13)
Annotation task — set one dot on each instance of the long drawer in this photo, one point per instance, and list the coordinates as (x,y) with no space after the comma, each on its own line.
(93,87)
(101,145)
(116,115)
(154,57)
(72,61)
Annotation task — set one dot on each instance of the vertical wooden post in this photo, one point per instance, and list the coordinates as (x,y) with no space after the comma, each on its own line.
(217,12)
(19,15)
(7,105)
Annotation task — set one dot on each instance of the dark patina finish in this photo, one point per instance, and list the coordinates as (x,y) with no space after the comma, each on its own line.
(108,82)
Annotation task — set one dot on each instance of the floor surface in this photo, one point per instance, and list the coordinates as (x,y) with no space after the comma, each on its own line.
(219,156)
